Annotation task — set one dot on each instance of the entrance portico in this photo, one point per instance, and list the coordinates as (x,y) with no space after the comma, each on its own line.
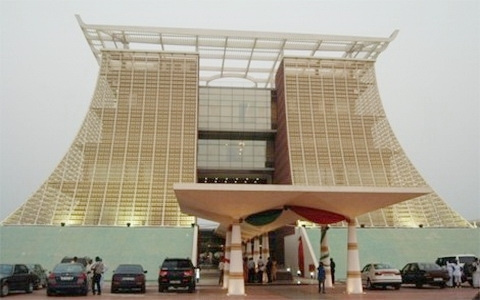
(231,204)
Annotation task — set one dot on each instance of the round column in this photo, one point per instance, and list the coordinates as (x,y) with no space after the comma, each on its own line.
(226,268)
(354,279)
(236,285)
(325,256)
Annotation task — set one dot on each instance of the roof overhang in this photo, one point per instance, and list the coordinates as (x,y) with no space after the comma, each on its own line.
(250,55)
(229,203)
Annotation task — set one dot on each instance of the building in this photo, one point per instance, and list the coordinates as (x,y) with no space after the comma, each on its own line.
(209,106)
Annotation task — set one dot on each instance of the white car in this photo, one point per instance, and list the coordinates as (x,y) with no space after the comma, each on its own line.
(381,275)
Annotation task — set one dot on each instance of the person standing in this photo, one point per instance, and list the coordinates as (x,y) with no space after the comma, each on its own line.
(261,269)
(221,268)
(245,269)
(251,270)
(332,270)
(98,269)
(89,271)
(274,269)
(321,278)
(449,267)
(269,270)
(476,273)
(457,274)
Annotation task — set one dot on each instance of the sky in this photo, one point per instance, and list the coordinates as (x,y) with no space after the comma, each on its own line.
(428,78)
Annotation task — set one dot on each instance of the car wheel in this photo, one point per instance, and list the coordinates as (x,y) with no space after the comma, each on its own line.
(143,289)
(29,288)
(5,290)
(49,293)
(161,289)
(191,288)
(418,285)
(397,286)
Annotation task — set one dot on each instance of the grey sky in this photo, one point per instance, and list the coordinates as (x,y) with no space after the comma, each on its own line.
(429,77)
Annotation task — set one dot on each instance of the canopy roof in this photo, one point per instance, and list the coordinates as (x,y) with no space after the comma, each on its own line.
(228,203)
(254,56)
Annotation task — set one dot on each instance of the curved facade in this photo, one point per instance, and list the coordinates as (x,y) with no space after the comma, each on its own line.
(333,124)
(155,119)
(138,138)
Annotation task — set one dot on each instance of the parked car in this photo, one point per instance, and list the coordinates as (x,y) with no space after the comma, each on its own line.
(421,273)
(128,277)
(465,261)
(41,273)
(67,278)
(381,275)
(15,277)
(79,259)
(176,273)
(461,258)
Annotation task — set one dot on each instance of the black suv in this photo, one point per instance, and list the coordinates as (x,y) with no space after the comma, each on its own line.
(176,273)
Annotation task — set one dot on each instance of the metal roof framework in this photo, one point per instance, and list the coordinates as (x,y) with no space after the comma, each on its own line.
(249,55)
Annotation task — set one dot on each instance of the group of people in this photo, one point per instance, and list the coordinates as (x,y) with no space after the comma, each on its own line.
(260,271)
(455,272)
(322,275)
(94,273)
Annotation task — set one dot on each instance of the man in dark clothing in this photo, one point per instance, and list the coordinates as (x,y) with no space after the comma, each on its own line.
(269,270)
(97,268)
(251,270)
(321,278)
(332,270)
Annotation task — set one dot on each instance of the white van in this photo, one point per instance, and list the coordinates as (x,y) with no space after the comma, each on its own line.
(461,258)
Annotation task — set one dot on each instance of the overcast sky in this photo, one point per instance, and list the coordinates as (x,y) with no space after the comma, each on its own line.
(429,76)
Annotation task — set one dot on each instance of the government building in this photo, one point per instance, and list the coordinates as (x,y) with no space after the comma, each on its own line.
(256,131)
(227,107)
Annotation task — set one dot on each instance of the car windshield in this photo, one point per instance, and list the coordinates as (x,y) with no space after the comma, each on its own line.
(68,268)
(429,266)
(6,269)
(172,264)
(382,266)
(129,269)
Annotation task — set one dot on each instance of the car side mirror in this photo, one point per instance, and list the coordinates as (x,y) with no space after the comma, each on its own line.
(145,271)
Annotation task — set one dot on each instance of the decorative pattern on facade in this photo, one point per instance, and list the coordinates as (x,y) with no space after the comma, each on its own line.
(139,137)
(156,111)
(335,129)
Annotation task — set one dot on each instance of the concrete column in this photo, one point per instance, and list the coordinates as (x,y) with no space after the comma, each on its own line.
(228,247)
(249,252)
(236,285)
(195,245)
(256,249)
(354,279)
(325,256)
(265,247)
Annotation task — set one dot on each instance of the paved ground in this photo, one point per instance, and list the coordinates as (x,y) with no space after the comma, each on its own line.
(300,292)
(208,290)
